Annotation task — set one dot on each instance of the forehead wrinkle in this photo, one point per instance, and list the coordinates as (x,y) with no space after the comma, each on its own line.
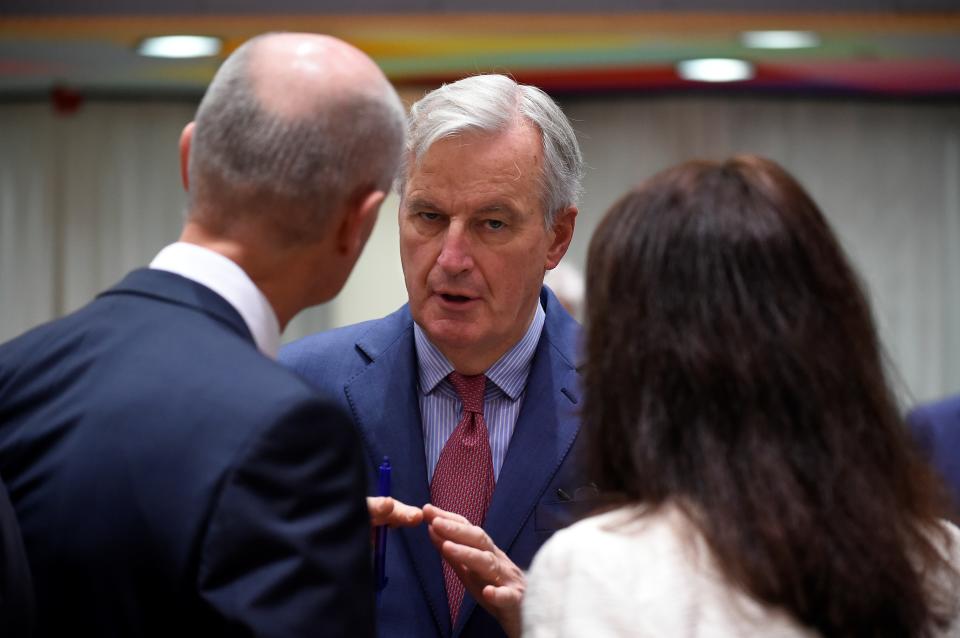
(480,185)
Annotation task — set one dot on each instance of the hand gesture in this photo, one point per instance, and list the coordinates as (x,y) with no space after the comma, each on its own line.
(492,579)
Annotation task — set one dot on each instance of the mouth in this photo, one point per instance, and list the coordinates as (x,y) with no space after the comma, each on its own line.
(454,299)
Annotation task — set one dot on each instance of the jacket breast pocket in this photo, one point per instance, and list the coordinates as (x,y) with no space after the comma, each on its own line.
(553,515)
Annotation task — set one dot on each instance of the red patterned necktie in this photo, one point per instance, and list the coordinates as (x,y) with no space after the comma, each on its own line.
(463,479)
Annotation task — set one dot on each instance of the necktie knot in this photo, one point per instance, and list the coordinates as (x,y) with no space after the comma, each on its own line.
(470,390)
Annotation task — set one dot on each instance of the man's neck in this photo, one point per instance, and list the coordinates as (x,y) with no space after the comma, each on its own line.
(264,273)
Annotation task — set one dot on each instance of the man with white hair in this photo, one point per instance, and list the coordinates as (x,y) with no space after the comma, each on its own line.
(169,477)
(470,389)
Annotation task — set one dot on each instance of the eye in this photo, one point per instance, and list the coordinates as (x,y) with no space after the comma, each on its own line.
(494,224)
(428,216)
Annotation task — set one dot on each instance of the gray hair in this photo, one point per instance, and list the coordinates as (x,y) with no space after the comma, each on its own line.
(243,152)
(492,104)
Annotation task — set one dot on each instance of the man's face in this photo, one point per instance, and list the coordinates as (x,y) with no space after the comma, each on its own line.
(473,242)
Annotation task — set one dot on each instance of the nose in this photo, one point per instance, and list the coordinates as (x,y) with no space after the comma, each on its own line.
(455,255)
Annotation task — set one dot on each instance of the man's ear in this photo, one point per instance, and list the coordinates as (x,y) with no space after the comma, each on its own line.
(186,139)
(358,222)
(560,235)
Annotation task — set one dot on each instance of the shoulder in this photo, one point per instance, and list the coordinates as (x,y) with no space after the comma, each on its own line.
(624,534)
(560,330)
(621,555)
(643,573)
(611,574)
(946,539)
(341,351)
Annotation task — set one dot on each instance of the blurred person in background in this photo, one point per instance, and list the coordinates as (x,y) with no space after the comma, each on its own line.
(471,389)
(169,477)
(738,418)
(936,427)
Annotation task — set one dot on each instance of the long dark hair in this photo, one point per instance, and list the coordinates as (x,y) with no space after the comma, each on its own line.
(734,370)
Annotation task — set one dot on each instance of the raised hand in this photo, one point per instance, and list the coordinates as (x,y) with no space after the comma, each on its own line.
(489,575)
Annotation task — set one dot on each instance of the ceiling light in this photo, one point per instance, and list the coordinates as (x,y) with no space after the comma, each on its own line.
(779,39)
(715,70)
(180,46)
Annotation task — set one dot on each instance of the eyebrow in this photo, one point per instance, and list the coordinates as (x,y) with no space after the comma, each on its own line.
(419,202)
(496,207)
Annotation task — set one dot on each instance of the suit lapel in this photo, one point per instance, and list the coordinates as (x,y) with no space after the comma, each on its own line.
(383,398)
(545,431)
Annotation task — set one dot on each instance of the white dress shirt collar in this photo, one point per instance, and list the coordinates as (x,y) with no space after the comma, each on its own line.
(227,279)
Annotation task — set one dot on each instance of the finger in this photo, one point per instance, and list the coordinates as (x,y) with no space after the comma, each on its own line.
(502,597)
(436,539)
(462,533)
(482,565)
(379,508)
(404,515)
(504,603)
(432,513)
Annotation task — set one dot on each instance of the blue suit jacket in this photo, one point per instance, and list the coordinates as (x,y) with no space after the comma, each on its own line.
(371,368)
(170,480)
(936,427)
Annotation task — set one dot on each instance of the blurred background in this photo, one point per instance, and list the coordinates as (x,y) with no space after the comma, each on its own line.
(860,100)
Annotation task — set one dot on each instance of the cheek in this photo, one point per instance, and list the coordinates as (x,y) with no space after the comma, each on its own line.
(513,279)
(416,261)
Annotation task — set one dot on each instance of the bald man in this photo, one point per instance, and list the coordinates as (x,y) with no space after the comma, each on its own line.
(170,478)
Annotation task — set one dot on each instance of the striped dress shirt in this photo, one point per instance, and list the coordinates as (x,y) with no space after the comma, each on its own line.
(506,386)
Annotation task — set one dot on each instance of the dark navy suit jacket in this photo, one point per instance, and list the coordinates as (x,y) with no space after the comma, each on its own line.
(17,605)
(170,480)
(371,368)
(936,427)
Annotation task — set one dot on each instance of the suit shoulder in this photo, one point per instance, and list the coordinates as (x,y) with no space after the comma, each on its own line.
(327,348)
(563,333)
(343,351)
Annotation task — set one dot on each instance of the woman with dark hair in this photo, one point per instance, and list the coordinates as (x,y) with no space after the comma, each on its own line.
(738,415)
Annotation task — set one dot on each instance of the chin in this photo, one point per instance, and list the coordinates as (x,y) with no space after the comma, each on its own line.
(449,333)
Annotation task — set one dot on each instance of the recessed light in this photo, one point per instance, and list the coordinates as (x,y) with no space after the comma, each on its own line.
(779,39)
(180,46)
(715,70)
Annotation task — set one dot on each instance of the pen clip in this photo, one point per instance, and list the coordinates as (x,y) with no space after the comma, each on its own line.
(384,478)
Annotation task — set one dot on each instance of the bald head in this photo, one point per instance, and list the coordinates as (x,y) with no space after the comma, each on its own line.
(293,72)
(291,127)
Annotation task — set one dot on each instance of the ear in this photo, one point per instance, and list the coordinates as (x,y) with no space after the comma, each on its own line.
(357,223)
(186,138)
(560,236)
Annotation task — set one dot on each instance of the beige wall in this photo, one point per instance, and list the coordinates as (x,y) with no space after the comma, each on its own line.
(86,198)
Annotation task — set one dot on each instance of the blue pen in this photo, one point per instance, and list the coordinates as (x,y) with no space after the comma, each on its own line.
(380,535)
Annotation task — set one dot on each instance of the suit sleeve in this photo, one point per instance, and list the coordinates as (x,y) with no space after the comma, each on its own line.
(287,547)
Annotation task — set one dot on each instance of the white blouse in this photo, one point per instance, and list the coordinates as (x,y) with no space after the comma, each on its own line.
(617,574)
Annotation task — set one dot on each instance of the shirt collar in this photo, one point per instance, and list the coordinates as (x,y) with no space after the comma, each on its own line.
(227,279)
(509,372)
